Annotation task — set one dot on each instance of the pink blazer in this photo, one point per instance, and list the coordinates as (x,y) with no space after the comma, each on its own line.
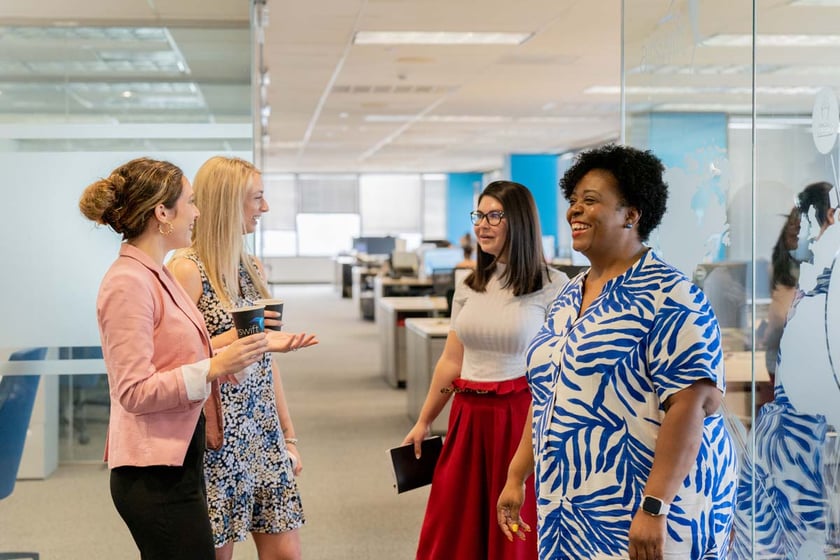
(149,328)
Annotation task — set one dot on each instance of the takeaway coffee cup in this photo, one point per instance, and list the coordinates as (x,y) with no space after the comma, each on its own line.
(272,305)
(248,320)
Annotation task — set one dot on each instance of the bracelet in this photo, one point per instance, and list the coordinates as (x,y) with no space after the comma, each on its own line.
(291,440)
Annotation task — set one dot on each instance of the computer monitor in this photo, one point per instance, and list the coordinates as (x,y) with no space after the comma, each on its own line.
(374,245)
(441,258)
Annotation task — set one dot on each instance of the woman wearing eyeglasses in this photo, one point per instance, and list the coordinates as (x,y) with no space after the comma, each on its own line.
(495,312)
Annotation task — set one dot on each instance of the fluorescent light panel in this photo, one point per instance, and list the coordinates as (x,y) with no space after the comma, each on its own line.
(826,3)
(439,38)
(479,119)
(745,40)
(688,90)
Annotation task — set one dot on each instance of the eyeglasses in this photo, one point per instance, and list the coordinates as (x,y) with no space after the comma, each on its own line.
(494,218)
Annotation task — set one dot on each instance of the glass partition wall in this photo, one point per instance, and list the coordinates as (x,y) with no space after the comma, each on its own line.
(76,100)
(739,100)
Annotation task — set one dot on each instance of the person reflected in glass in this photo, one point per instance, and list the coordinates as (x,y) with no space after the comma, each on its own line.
(784,274)
(496,311)
(251,479)
(787,490)
(160,364)
(632,458)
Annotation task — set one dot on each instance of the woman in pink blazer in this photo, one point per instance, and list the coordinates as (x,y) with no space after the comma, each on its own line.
(161,369)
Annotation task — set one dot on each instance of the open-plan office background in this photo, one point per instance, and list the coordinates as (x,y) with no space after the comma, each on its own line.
(738,98)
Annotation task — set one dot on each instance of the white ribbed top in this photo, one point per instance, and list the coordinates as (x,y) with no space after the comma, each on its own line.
(495,327)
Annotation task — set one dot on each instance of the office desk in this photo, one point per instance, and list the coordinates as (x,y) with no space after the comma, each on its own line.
(739,373)
(424,342)
(405,286)
(739,367)
(391,314)
(41,451)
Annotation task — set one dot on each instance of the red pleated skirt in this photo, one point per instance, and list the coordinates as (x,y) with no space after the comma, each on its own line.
(483,434)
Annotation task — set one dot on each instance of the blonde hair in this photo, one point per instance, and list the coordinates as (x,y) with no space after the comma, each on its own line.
(127,198)
(220,187)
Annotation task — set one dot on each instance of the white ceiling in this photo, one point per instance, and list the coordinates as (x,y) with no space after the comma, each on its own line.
(457,108)
(336,106)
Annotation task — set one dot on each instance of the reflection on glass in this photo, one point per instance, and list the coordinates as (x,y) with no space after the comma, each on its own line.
(795,459)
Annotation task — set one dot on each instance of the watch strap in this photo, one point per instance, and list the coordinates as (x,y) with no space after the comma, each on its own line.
(655,506)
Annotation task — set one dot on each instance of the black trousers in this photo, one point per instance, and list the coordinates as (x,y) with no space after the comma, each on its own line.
(165,508)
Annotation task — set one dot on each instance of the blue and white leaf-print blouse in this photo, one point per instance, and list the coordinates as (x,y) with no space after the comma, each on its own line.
(598,382)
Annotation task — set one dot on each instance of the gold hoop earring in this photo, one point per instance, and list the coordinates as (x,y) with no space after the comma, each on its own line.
(169,230)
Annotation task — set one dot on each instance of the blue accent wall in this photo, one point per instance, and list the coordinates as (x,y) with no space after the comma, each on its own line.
(672,136)
(539,173)
(459,203)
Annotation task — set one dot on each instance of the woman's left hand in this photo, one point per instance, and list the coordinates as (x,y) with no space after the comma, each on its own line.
(279,341)
(294,455)
(647,536)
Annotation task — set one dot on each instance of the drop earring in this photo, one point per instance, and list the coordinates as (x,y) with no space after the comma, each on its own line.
(628,226)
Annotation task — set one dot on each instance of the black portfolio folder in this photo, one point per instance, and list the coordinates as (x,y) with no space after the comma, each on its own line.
(410,472)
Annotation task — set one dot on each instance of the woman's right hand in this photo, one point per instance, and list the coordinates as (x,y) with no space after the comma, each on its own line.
(418,433)
(238,355)
(507,510)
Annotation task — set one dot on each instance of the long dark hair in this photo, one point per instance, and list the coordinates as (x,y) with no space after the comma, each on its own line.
(526,267)
(784,269)
(817,195)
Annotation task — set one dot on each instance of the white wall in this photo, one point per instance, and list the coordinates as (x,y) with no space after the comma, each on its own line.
(299,270)
(54,258)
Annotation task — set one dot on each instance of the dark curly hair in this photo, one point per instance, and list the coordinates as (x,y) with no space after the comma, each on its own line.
(817,195)
(638,174)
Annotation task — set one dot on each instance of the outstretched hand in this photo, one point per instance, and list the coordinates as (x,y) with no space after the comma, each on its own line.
(279,341)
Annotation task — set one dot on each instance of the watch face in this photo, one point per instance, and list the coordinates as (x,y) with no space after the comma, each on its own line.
(652,505)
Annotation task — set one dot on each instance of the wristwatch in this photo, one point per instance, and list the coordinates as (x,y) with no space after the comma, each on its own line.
(655,506)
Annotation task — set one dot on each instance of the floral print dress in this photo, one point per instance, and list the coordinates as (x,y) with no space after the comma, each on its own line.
(250,482)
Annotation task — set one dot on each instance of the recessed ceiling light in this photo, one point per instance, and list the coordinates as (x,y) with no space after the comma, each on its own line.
(776,40)
(439,38)
(126,94)
(815,3)
(689,90)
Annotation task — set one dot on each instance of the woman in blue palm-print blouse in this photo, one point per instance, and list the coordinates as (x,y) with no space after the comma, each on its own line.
(631,456)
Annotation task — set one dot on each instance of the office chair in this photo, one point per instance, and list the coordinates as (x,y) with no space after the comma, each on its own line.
(443,280)
(17,397)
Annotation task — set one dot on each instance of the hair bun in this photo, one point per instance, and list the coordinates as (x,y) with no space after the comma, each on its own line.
(99,201)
